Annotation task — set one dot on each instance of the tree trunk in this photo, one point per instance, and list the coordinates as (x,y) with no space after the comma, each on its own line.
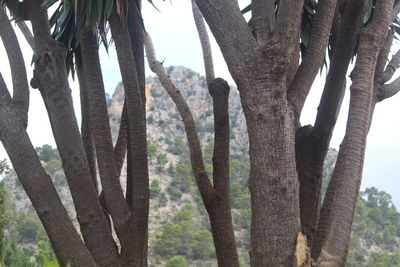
(40,188)
(312,143)
(86,131)
(334,228)
(50,76)
(138,195)
(113,195)
(219,210)
(274,187)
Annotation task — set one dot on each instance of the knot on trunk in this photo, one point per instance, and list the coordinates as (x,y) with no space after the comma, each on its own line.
(218,87)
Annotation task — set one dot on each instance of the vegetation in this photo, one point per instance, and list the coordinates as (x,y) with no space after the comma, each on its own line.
(285,158)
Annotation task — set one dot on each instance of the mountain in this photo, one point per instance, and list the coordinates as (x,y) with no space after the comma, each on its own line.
(179,226)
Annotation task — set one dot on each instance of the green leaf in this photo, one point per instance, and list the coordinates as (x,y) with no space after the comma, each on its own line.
(246,9)
(108,7)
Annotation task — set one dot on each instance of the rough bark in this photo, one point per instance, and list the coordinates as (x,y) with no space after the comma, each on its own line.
(138,195)
(122,141)
(50,77)
(337,213)
(205,43)
(263,15)
(203,182)
(35,181)
(27,33)
(33,177)
(312,143)
(273,177)
(232,34)
(220,210)
(315,53)
(261,73)
(86,131)
(113,195)
(17,65)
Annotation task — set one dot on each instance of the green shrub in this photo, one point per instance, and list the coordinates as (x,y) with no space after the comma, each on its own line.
(177,261)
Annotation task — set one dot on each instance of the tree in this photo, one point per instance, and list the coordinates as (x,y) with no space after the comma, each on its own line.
(78,153)
(286,158)
(289,224)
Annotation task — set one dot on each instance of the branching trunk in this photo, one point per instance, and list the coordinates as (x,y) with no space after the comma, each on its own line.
(215,198)
(50,76)
(138,195)
(113,194)
(337,213)
(220,210)
(312,143)
(33,177)
(35,181)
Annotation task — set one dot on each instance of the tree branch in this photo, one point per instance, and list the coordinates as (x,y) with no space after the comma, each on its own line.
(219,90)
(137,189)
(383,57)
(396,10)
(122,140)
(391,68)
(18,9)
(4,93)
(314,55)
(232,33)
(205,43)
(203,182)
(263,14)
(333,93)
(288,20)
(27,33)
(388,90)
(17,64)
(86,127)
(337,213)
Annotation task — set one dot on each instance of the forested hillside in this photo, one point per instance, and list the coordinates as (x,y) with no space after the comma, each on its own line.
(179,228)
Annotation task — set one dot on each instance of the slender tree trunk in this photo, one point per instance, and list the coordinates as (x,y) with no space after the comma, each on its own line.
(312,143)
(86,132)
(113,195)
(138,195)
(50,76)
(216,197)
(334,228)
(40,188)
(220,208)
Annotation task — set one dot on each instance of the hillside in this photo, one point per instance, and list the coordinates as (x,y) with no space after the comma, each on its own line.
(179,227)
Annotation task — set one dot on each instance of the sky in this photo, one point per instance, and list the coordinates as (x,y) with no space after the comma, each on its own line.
(176,42)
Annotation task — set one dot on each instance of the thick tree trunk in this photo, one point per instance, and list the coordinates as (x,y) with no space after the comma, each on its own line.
(138,195)
(50,76)
(273,183)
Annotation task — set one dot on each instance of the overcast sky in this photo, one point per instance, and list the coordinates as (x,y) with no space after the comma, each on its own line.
(176,42)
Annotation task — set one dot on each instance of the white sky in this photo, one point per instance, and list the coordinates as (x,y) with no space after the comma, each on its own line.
(176,41)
